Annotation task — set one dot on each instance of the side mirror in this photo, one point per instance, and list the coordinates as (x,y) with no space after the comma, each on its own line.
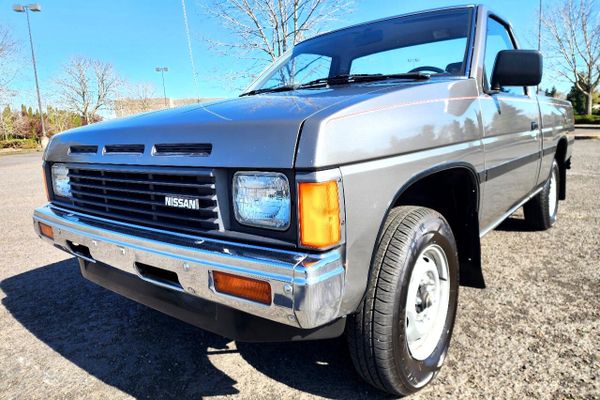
(517,68)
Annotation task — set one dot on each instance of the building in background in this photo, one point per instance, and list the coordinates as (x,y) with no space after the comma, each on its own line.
(126,106)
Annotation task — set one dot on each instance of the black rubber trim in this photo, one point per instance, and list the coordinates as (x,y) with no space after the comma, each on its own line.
(502,169)
(438,168)
(213,317)
(478,177)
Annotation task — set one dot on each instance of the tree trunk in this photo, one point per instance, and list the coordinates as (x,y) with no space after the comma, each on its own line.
(588,102)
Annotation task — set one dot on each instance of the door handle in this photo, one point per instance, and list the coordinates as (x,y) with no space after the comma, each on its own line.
(534,126)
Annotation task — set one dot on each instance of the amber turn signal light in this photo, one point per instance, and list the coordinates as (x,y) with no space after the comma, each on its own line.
(319,209)
(245,288)
(46,230)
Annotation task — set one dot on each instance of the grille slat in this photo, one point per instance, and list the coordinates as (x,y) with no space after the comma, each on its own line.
(137,195)
(144,211)
(140,201)
(137,191)
(187,173)
(155,182)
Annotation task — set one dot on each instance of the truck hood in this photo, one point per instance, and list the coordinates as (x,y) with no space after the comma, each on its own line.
(249,132)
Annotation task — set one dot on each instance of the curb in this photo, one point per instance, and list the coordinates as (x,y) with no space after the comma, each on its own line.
(588,126)
(19,151)
(586,137)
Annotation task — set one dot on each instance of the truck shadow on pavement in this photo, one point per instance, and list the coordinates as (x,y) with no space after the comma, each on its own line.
(514,224)
(149,355)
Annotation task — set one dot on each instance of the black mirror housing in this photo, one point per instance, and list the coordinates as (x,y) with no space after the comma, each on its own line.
(517,68)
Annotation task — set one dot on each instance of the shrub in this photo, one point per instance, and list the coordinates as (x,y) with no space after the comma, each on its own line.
(19,144)
(587,119)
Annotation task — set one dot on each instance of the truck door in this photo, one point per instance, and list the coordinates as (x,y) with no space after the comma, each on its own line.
(511,136)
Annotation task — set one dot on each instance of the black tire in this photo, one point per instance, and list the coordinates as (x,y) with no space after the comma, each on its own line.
(377,333)
(539,212)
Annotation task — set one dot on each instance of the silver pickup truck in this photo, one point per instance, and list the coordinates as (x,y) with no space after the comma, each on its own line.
(345,192)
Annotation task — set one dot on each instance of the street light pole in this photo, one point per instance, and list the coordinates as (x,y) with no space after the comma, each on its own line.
(162,71)
(189,43)
(539,36)
(540,27)
(26,9)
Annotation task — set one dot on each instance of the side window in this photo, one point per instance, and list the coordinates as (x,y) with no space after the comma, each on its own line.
(497,40)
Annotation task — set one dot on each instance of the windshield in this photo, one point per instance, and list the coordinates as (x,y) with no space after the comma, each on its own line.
(429,43)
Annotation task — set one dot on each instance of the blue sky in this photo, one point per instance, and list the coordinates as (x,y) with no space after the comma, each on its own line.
(136,36)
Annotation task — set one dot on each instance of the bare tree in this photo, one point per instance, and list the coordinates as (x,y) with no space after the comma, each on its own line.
(265,29)
(8,51)
(144,93)
(88,86)
(137,98)
(60,120)
(572,31)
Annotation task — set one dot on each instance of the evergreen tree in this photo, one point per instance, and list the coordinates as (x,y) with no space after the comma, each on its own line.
(577,98)
(551,92)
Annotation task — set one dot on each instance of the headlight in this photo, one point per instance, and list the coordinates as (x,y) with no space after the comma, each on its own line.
(262,199)
(61,184)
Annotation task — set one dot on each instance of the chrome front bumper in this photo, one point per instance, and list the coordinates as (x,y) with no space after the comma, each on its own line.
(307,289)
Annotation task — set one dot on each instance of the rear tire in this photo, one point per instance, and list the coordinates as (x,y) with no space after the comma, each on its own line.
(541,211)
(400,335)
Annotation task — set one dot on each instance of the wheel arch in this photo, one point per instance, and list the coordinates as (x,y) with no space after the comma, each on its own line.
(461,180)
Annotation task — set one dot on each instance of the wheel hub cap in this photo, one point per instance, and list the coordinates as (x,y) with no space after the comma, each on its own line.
(553,196)
(427,302)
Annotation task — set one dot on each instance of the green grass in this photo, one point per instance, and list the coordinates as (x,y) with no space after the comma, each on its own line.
(587,119)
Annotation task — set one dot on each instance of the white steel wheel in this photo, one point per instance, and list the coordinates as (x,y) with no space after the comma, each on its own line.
(427,302)
(400,335)
(542,210)
(553,194)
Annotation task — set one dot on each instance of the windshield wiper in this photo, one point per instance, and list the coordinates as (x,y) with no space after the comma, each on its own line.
(286,88)
(350,78)
(340,80)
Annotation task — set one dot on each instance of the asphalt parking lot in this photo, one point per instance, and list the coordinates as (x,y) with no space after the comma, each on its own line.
(534,332)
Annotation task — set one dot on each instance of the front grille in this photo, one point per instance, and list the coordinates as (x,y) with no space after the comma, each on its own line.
(137,196)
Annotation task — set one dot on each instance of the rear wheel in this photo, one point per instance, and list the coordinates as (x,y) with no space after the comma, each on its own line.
(400,336)
(541,211)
